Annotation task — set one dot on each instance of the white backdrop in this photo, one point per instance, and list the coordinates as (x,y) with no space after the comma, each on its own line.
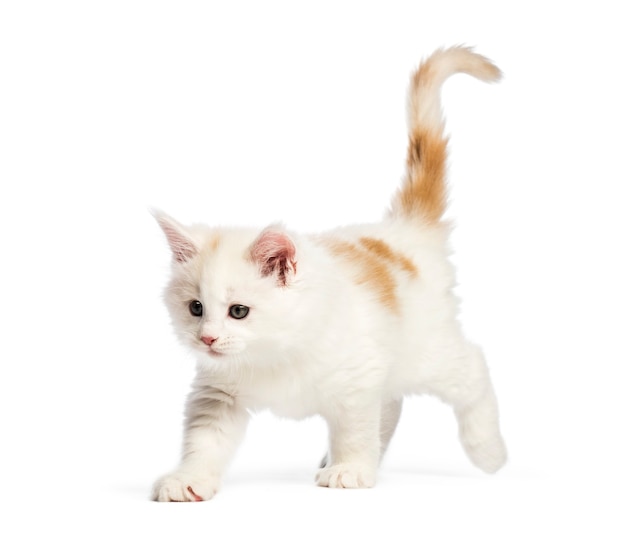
(253,112)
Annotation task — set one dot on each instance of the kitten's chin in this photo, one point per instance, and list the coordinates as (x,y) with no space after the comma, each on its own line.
(209,353)
(211,360)
(217,363)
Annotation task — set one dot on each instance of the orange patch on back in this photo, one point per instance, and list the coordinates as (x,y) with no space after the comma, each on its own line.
(385,252)
(374,261)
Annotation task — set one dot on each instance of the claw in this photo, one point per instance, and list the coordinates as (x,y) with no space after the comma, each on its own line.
(197,498)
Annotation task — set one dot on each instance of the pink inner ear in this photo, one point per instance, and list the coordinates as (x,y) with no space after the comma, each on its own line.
(275,254)
(182,249)
(182,246)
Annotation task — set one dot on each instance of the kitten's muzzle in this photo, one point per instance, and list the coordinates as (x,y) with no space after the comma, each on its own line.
(208,340)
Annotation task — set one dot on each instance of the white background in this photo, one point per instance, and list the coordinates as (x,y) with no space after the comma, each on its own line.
(293,111)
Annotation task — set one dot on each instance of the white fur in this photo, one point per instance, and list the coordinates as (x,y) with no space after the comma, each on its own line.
(316,341)
(324,345)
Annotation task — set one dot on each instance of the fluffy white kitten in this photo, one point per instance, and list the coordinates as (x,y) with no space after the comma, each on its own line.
(260,309)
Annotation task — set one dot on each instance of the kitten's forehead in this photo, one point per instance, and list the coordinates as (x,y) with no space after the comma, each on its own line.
(224,257)
(213,243)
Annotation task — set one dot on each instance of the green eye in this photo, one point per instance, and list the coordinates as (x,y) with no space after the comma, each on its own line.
(195,308)
(238,311)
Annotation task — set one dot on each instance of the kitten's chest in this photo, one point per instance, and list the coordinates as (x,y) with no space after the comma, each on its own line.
(286,394)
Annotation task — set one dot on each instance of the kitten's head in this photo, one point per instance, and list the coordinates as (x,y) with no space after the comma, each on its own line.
(230,295)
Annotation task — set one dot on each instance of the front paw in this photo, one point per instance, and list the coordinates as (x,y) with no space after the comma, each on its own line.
(346,476)
(185,487)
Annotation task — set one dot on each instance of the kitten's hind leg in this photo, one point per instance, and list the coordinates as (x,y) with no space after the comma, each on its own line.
(479,432)
(468,388)
(324,461)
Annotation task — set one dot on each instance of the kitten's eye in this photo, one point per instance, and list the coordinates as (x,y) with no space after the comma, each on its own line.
(195,308)
(238,311)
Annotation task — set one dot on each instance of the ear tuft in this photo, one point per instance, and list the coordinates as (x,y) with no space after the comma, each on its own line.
(182,245)
(275,254)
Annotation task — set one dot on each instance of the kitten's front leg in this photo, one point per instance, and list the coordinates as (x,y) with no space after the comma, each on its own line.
(354,448)
(214,427)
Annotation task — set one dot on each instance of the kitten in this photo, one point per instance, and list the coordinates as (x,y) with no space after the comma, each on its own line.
(342,324)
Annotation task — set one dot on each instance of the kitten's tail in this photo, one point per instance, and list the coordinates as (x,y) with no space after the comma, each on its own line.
(423,192)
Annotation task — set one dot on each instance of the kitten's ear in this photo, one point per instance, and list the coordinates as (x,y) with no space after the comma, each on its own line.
(275,254)
(182,245)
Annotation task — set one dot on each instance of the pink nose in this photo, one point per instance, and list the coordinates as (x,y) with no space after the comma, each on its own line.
(208,340)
